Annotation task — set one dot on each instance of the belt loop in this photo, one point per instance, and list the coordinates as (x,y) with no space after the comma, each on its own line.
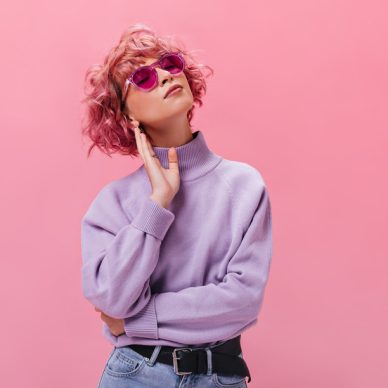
(154,356)
(209,361)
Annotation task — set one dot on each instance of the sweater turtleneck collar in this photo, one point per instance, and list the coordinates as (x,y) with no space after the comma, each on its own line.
(194,157)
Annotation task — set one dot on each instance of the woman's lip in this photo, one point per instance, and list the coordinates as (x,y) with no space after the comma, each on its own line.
(174,90)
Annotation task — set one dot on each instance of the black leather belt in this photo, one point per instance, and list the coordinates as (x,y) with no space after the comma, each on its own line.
(187,360)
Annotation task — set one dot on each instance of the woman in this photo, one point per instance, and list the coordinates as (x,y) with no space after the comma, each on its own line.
(176,254)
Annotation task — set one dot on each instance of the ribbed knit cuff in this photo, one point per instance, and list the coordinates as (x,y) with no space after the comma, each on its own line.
(144,323)
(153,218)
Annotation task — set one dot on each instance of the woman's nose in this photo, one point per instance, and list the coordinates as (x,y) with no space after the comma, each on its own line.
(163,76)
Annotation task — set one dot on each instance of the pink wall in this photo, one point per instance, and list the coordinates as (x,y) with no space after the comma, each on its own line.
(308,109)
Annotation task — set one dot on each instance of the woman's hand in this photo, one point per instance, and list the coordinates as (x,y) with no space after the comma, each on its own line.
(116,326)
(164,182)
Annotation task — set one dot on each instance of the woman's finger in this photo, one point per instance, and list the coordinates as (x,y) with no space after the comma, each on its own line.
(139,142)
(149,159)
(152,166)
(152,152)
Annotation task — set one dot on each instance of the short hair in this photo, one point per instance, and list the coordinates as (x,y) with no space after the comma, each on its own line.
(107,122)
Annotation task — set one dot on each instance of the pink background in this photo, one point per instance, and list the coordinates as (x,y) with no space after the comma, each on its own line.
(308,109)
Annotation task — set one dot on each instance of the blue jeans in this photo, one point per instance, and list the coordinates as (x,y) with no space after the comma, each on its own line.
(127,368)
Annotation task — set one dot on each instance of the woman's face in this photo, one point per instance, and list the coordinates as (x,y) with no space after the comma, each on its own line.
(152,109)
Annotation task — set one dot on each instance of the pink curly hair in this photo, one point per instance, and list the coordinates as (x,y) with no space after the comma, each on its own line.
(108,125)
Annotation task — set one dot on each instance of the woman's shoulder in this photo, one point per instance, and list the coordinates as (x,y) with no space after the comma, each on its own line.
(113,197)
(241,173)
(246,186)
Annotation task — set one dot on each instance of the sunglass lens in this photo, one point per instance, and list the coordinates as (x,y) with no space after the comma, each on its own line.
(144,78)
(172,63)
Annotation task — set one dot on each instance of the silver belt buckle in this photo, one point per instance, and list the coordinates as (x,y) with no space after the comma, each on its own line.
(175,361)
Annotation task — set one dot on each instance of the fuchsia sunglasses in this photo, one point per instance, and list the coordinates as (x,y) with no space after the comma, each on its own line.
(146,77)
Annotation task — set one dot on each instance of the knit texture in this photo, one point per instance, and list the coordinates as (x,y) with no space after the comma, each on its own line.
(193,274)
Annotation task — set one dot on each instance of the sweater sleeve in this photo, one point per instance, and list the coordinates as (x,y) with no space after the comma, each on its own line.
(214,312)
(119,256)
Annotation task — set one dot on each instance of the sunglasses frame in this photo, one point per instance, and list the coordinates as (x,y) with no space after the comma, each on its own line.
(152,66)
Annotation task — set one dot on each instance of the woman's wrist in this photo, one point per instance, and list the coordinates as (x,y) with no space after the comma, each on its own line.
(161,201)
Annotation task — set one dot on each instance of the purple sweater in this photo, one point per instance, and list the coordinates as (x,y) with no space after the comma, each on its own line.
(193,274)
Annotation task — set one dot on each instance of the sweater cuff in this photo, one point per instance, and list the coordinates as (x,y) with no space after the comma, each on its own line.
(153,218)
(144,323)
